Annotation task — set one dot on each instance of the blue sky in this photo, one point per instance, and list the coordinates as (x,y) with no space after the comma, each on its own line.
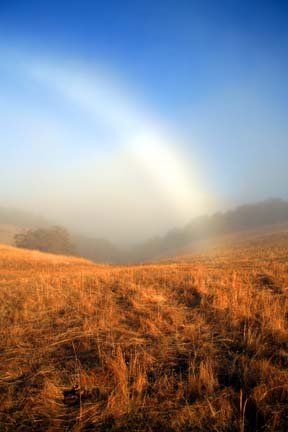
(142,114)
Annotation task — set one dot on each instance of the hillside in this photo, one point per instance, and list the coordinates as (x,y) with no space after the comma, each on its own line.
(208,230)
(193,344)
(229,240)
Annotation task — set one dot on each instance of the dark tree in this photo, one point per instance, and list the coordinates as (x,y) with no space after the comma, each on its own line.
(54,240)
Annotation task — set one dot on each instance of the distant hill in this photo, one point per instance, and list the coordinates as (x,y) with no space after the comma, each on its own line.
(262,215)
(98,250)
(14,221)
(21,218)
(264,235)
(7,233)
(200,233)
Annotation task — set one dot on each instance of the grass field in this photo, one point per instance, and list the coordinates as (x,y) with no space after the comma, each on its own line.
(194,344)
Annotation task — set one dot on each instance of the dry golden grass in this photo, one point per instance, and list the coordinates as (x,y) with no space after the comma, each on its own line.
(199,344)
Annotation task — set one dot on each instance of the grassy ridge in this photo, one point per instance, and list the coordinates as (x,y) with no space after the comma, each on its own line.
(197,344)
